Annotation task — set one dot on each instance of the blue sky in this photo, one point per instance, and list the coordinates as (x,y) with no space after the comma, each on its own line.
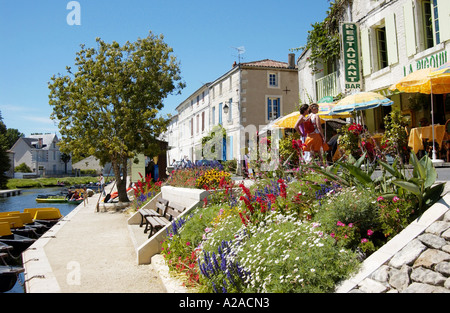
(36,42)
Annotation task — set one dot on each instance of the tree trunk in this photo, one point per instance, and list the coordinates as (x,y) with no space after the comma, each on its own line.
(120,173)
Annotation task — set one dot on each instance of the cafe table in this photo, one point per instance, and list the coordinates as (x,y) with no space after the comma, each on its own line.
(419,134)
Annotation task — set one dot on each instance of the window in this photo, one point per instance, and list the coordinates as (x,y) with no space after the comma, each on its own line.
(382,47)
(214,115)
(192,127)
(198,123)
(220,113)
(273,80)
(203,121)
(230,109)
(430,23)
(273,108)
(198,99)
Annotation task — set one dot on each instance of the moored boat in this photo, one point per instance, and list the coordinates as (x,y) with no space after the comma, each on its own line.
(45,216)
(17,242)
(8,277)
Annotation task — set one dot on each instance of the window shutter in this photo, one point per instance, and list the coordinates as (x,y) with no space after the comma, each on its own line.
(365,45)
(269,109)
(410,30)
(444,19)
(279,108)
(391,38)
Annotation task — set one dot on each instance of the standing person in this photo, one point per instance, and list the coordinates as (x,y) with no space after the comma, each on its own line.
(315,141)
(101,181)
(300,126)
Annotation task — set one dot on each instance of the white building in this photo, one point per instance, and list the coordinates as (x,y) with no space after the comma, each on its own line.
(395,38)
(249,95)
(41,153)
(189,126)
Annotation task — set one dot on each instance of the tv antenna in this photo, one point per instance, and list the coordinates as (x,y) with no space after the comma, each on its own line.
(240,50)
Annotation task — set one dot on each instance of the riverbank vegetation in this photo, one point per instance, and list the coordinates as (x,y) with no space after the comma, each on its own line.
(15,183)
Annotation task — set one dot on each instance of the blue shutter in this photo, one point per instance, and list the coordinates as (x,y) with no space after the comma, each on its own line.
(269,109)
(279,108)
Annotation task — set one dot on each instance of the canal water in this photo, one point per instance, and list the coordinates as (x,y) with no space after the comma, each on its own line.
(27,199)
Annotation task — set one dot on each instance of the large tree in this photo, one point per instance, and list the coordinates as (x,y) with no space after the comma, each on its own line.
(109,107)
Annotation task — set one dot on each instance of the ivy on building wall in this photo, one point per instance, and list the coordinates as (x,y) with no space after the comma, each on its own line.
(323,40)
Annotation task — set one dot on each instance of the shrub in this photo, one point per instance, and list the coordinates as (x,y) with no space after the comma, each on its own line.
(23,168)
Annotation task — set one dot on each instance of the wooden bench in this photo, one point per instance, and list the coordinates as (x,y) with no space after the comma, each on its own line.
(155,223)
(161,206)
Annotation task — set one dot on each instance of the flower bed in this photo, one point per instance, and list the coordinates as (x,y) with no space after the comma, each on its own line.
(295,235)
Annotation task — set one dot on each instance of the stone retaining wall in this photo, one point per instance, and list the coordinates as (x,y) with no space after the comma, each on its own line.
(421,264)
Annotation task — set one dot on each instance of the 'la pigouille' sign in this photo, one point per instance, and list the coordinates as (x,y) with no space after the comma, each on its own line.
(350,44)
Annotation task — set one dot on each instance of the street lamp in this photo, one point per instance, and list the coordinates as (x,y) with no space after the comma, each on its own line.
(226,109)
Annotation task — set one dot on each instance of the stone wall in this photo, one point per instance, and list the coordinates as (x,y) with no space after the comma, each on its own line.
(421,263)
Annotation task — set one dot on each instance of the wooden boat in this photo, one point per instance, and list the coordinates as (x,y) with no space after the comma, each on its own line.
(8,277)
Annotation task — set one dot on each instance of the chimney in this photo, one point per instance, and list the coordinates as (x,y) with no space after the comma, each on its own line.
(291,60)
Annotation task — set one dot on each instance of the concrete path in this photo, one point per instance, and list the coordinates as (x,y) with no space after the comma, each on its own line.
(88,252)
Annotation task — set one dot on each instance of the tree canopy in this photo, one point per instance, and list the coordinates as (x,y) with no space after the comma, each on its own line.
(109,107)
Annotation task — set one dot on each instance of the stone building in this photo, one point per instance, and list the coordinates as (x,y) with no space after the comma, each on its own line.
(393,38)
(249,95)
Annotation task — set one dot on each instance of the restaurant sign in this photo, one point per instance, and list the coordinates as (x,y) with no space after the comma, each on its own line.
(350,44)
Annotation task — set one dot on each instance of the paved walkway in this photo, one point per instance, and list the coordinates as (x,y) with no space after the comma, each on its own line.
(88,252)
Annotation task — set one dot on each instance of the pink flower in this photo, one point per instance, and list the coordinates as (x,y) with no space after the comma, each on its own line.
(395,199)
(188,243)
(369,232)
(350,225)
(364,240)
(339,223)
(332,235)
(380,198)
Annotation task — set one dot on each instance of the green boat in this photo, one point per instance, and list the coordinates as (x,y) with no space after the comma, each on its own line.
(56,199)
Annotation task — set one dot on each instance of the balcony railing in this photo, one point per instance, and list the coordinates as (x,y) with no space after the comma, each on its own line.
(327,86)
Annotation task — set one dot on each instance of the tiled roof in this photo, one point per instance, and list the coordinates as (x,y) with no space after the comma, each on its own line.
(267,63)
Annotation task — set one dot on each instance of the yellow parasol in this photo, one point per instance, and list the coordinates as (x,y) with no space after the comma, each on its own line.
(426,81)
(290,120)
(441,79)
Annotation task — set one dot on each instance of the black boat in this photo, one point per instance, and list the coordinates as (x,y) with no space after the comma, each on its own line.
(8,277)
(18,242)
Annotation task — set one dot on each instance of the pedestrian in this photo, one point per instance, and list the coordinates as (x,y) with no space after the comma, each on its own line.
(101,181)
(315,141)
(300,125)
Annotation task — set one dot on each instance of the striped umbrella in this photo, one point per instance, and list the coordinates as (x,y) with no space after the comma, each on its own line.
(361,101)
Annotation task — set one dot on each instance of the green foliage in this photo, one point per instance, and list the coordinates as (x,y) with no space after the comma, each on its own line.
(109,107)
(395,138)
(395,214)
(23,168)
(323,40)
(13,135)
(48,182)
(422,183)
(4,158)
